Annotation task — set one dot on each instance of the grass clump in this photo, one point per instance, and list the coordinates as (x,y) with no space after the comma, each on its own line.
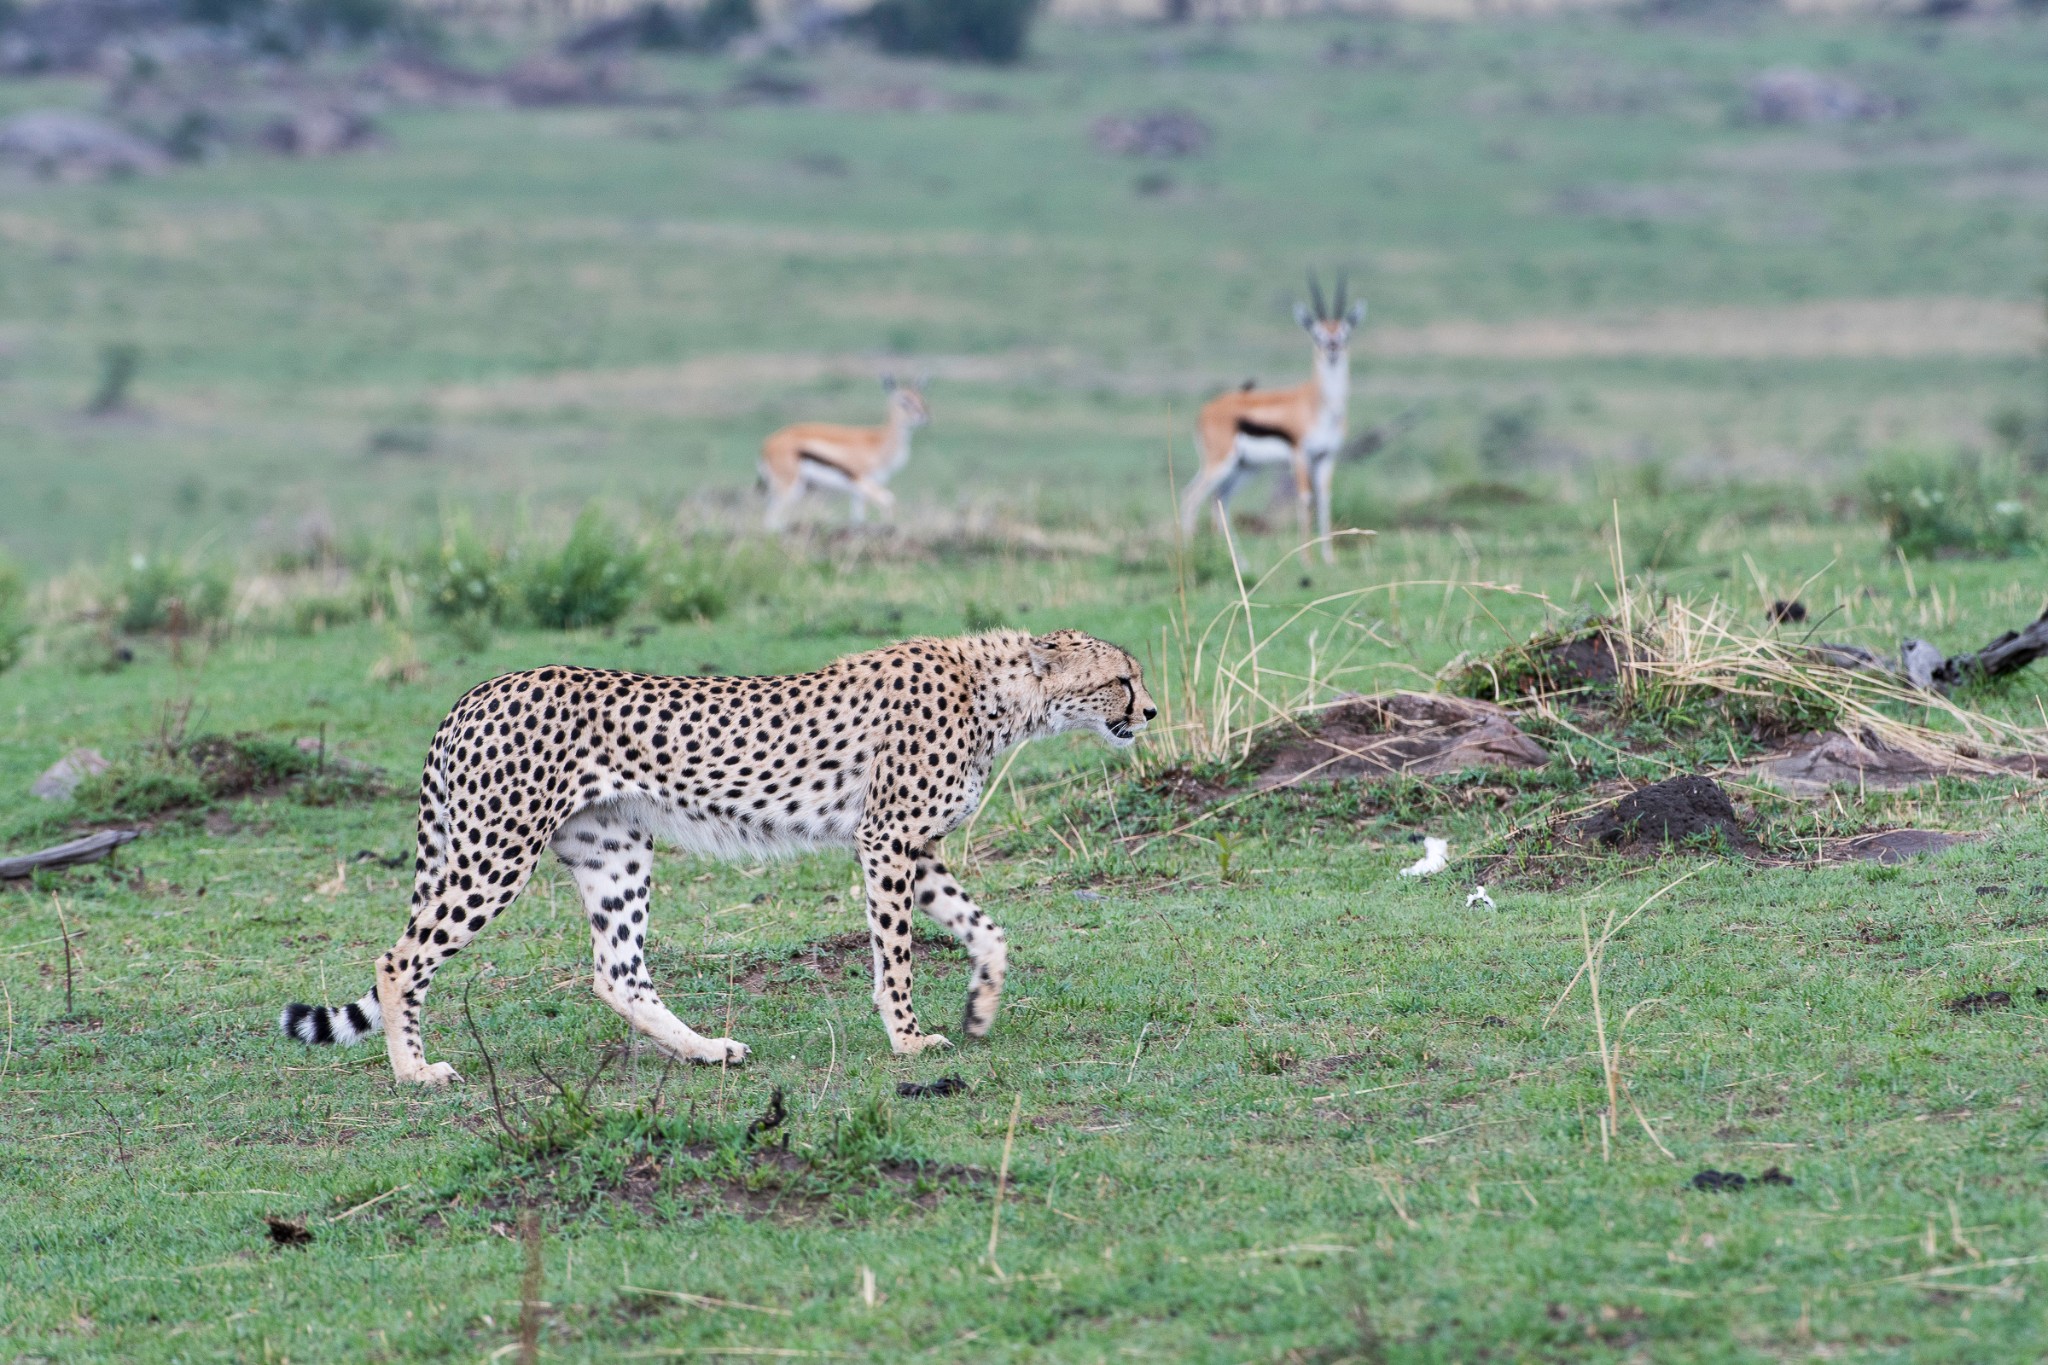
(593,580)
(177,774)
(565,1150)
(994,31)
(1966,505)
(138,790)
(708,576)
(14,626)
(465,577)
(159,592)
(689,585)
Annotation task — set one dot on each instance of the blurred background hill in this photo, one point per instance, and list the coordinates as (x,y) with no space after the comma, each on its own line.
(274,272)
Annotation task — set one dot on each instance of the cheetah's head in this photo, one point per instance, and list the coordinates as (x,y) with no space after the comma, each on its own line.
(1091,685)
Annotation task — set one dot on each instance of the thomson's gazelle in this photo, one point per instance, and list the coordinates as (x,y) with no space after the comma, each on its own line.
(857,461)
(1302,427)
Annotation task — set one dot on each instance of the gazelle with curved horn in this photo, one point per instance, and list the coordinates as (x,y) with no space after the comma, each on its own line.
(857,461)
(1302,427)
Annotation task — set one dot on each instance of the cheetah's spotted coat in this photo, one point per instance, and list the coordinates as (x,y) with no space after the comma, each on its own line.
(884,752)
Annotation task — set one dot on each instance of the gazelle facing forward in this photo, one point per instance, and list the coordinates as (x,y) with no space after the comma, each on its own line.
(1302,427)
(857,461)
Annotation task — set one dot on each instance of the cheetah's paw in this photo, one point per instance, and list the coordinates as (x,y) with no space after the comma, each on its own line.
(436,1074)
(920,1042)
(728,1052)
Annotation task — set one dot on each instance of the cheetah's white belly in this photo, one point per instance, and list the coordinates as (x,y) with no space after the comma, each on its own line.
(721,836)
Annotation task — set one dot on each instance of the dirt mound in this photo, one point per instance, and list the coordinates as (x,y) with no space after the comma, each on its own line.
(1545,665)
(1813,763)
(1667,812)
(1416,734)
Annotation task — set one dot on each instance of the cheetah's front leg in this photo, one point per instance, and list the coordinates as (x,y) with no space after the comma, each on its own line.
(941,898)
(887,866)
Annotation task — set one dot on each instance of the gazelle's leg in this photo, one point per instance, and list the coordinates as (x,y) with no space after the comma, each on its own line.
(1304,493)
(1325,473)
(781,502)
(1200,490)
(881,497)
(888,867)
(611,857)
(940,896)
(1226,488)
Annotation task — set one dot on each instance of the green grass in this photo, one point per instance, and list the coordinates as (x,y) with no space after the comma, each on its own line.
(1310,1112)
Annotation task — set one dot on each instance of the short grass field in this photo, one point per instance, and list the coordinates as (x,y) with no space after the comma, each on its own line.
(1253,1096)
(1288,1106)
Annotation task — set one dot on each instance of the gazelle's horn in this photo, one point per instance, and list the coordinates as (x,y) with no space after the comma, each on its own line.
(1338,312)
(1315,296)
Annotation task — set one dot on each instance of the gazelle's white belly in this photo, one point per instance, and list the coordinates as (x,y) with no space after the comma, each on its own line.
(820,475)
(1263,450)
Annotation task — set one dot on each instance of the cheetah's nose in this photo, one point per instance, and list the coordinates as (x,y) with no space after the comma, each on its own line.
(1151,711)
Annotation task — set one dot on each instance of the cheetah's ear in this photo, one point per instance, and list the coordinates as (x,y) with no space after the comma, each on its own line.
(1045,655)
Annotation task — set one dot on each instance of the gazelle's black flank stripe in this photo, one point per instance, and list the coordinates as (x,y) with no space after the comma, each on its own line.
(1261,431)
(322,1024)
(827,461)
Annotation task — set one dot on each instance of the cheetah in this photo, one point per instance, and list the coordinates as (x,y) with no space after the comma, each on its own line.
(884,753)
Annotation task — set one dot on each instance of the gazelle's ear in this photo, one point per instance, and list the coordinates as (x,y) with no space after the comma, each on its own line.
(1356,314)
(1303,316)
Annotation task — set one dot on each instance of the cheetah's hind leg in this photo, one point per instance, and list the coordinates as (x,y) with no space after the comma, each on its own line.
(610,854)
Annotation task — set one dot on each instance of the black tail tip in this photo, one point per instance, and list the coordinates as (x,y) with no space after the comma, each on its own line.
(307,1023)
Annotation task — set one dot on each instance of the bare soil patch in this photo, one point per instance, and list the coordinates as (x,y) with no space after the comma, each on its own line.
(841,957)
(1812,763)
(1694,811)
(1413,734)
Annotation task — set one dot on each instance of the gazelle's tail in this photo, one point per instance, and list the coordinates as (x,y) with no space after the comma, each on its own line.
(342,1024)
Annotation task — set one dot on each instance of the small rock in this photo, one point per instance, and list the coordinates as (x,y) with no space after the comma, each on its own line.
(1797,95)
(1782,612)
(1152,132)
(59,144)
(1774,1176)
(318,131)
(544,81)
(60,780)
